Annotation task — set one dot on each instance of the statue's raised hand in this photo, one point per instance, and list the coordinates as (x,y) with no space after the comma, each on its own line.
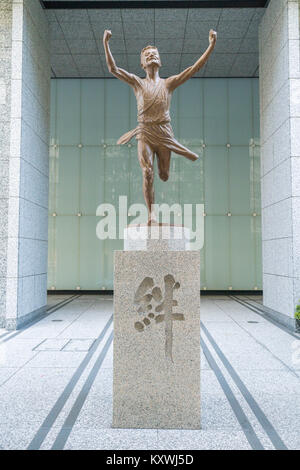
(107,35)
(212,37)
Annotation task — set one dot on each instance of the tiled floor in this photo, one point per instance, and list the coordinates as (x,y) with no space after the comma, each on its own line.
(56,382)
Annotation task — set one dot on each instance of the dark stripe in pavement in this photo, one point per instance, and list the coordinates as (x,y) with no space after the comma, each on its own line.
(54,307)
(60,403)
(236,407)
(36,320)
(5,334)
(261,344)
(262,313)
(67,427)
(261,417)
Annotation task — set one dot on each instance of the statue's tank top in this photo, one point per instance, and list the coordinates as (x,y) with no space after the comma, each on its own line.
(153,101)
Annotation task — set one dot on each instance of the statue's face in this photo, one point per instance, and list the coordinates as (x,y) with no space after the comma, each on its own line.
(150,56)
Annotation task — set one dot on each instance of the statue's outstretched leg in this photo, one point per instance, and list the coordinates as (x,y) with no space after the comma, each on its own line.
(146,159)
(180,149)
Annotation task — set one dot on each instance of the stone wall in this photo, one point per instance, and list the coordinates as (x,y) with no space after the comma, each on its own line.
(280,157)
(27,155)
(5,95)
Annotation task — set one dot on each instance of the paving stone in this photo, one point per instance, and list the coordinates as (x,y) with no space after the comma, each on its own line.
(31,383)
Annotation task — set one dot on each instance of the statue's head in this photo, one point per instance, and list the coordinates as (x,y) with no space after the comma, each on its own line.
(149,56)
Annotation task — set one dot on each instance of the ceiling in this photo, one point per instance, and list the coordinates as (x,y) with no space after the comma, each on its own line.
(181,36)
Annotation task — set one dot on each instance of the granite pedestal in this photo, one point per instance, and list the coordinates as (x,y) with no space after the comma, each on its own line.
(157,333)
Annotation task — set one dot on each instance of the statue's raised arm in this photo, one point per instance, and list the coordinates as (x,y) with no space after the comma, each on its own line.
(111,64)
(176,80)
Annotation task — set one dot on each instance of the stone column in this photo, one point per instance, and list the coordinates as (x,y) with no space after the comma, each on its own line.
(25,98)
(5,98)
(280,157)
(157,334)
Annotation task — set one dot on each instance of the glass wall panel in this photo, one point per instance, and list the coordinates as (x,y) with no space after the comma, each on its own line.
(216,180)
(242,249)
(92,112)
(116,182)
(191,178)
(116,109)
(91,250)
(239,105)
(68,179)
(258,251)
(52,178)
(255,178)
(216,118)
(135,193)
(255,110)
(53,111)
(51,252)
(68,112)
(215,111)
(240,165)
(190,113)
(67,229)
(217,254)
(168,191)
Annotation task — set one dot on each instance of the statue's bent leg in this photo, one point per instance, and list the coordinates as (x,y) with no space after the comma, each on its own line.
(163,163)
(146,159)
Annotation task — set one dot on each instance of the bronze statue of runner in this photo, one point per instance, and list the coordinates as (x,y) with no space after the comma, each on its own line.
(153,94)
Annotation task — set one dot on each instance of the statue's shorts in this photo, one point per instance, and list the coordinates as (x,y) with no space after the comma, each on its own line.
(158,135)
